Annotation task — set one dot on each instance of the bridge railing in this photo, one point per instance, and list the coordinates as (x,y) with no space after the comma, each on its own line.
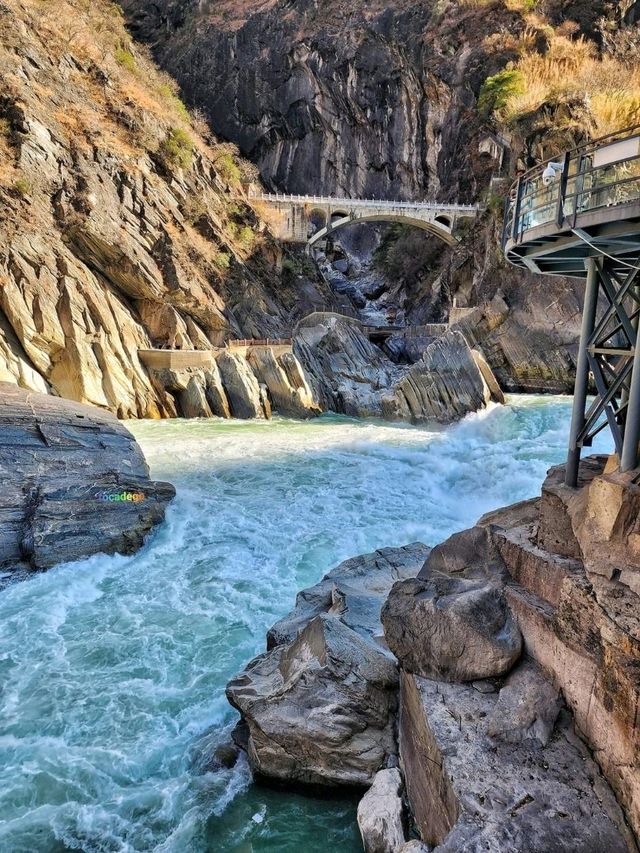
(351,202)
(603,173)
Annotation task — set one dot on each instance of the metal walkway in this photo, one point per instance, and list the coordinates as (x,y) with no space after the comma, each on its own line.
(579,215)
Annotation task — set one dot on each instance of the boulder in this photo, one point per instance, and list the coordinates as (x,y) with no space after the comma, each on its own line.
(354,592)
(320,710)
(320,705)
(380,814)
(527,707)
(452,628)
(75,482)
(293,398)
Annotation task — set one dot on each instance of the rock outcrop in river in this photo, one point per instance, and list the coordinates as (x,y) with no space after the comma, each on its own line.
(74,483)
(320,705)
(351,375)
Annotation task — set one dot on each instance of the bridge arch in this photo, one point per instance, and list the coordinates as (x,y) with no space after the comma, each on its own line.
(441,229)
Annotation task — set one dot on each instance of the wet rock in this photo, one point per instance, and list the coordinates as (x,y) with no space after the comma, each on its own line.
(352,376)
(380,814)
(353,592)
(62,466)
(320,710)
(456,629)
(319,706)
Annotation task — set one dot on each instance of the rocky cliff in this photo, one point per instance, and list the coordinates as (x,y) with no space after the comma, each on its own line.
(122,225)
(74,482)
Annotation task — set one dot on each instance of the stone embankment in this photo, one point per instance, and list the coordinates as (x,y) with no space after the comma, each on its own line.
(74,483)
(487,696)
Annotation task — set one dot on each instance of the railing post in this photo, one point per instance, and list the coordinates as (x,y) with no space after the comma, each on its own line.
(516,210)
(563,189)
(629,458)
(582,373)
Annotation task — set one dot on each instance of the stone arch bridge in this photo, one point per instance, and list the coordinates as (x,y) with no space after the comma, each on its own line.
(292,216)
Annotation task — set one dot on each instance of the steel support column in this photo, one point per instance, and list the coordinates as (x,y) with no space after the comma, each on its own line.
(582,373)
(629,458)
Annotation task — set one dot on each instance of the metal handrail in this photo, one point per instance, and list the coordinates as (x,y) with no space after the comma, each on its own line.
(352,202)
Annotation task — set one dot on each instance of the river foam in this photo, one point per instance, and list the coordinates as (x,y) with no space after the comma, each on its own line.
(112,670)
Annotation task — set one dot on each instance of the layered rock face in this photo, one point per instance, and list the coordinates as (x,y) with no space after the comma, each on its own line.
(352,376)
(565,566)
(74,481)
(320,704)
(121,227)
(323,97)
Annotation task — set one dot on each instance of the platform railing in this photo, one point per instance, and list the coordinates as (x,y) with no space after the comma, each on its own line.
(600,174)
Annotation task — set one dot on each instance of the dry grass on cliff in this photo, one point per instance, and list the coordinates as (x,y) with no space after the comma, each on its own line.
(572,72)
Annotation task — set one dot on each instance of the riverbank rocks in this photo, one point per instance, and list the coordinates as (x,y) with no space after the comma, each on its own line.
(350,375)
(452,628)
(354,592)
(527,707)
(565,566)
(75,482)
(321,709)
(380,814)
(320,705)
(473,792)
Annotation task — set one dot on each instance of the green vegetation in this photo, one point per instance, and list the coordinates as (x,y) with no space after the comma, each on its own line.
(178,104)
(497,90)
(177,149)
(22,187)
(227,168)
(125,59)
(5,127)
(222,260)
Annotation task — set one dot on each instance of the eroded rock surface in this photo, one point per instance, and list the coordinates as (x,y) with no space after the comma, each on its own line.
(566,567)
(380,814)
(59,463)
(452,628)
(321,709)
(472,792)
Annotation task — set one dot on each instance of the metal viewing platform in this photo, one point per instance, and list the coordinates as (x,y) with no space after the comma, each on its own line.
(579,215)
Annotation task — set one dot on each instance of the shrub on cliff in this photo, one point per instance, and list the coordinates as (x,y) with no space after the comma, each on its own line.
(497,91)
(176,150)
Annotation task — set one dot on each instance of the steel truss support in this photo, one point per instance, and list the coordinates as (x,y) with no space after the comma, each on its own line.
(608,355)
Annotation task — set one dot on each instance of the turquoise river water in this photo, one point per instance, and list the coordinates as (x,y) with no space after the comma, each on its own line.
(112,670)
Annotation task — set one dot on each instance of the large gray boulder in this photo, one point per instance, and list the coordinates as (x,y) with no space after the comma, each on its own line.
(452,628)
(354,592)
(320,705)
(74,482)
(380,814)
(320,710)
